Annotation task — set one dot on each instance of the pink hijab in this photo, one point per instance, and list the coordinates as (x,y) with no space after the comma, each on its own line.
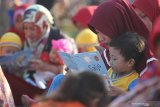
(151,8)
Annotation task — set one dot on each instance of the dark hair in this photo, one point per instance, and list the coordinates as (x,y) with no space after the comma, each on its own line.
(131,45)
(83,87)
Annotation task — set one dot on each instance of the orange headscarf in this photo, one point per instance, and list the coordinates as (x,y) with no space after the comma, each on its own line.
(50,103)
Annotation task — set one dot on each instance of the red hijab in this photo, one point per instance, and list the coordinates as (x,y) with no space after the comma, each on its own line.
(151,8)
(84,15)
(115,17)
(154,34)
(153,69)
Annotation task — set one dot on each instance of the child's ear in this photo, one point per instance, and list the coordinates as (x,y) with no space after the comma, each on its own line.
(131,62)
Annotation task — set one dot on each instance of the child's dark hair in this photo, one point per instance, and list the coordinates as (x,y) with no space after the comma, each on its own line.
(83,87)
(131,45)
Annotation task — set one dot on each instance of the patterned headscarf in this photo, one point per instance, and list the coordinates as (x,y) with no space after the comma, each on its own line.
(39,15)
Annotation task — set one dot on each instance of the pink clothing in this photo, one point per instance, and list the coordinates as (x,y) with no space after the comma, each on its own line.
(62,45)
(5,93)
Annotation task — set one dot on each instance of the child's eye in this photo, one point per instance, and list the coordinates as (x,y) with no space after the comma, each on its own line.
(114,59)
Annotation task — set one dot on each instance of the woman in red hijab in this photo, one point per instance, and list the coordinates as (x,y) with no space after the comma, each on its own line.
(115,17)
(155,39)
(154,69)
(150,9)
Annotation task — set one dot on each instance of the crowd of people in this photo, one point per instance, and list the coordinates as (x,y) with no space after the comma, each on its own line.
(125,32)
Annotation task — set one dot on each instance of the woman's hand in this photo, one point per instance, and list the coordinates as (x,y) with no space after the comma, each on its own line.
(37,64)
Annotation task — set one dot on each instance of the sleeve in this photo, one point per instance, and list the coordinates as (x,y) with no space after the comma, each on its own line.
(133,84)
(55,83)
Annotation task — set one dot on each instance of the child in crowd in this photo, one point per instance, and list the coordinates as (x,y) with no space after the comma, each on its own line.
(62,45)
(84,89)
(10,43)
(125,51)
(18,21)
(86,40)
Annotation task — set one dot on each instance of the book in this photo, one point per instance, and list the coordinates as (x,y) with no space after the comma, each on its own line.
(18,59)
(86,61)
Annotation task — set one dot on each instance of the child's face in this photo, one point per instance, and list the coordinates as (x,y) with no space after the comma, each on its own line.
(54,57)
(8,50)
(19,23)
(118,62)
(32,32)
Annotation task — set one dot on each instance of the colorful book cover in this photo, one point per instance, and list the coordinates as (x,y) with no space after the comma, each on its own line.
(19,59)
(90,61)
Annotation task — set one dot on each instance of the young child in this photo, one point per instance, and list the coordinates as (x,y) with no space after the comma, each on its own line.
(125,51)
(84,89)
(62,45)
(10,43)
(55,65)
(86,41)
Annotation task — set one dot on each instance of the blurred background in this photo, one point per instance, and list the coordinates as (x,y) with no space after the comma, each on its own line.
(62,10)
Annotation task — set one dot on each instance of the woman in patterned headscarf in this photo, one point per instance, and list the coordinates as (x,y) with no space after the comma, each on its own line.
(39,33)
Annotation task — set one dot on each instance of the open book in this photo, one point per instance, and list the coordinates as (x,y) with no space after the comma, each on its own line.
(87,61)
(90,61)
(18,59)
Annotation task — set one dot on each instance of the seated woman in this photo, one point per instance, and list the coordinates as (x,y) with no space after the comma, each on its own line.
(39,34)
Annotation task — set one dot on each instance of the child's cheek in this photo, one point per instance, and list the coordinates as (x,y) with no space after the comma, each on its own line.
(60,59)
